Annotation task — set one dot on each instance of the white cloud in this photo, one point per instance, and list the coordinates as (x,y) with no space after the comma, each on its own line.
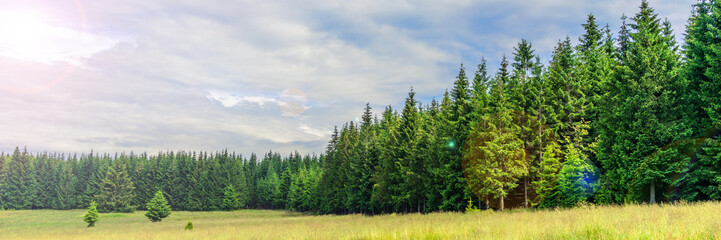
(312,131)
(229,100)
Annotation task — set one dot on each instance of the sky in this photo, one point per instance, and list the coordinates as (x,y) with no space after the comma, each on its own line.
(252,75)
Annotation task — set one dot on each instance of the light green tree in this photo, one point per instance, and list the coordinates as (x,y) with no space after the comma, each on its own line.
(92,216)
(158,208)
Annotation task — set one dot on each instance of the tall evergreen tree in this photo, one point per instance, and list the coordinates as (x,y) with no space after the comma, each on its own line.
(703,98)
(495,153)
(19,187)
(63,187)
(231,199)
(117,192)
(455,187)
(643,115)
(386,174)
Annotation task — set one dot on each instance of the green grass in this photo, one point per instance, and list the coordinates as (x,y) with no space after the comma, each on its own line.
(681,221)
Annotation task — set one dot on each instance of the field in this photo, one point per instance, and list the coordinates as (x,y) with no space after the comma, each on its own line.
(681,221)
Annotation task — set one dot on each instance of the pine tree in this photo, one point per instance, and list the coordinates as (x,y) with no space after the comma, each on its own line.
(117,192)
(231,200)
(64,187)
(210,180)
(280,196)
(643,115)
(251,174)
(594,69)
(386,172)
(92,170)
(349,159)
(479,94)
(568,99)
(267,187)
(158,208)
(3,174)
(578,178)
(701,52)
(548,170)
(45,167)
(195,189)
(495,155)
(19,187)
(523,58)
(182,182)
(411,191)
(361,165)
(458,118)
(92,216)
(624,40)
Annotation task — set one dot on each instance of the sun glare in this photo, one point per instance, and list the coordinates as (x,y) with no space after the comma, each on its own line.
(25,34)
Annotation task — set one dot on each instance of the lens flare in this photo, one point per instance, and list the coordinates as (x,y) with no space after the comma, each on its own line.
(578,179)
(25,34)
(451,144)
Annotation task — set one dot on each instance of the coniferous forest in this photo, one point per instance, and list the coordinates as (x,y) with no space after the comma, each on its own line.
(625,115)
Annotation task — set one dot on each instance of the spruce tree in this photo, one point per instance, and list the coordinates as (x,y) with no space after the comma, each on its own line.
(44,168)
(231,200)
(406,154)
(455,133)
(158,208)
(386,174)
(63,188)
(701,52)
(92,216)
(642,116)
(19,187)
(495,153)
(266,188)
(117,192)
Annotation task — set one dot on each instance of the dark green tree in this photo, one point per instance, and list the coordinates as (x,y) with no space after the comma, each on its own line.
(642,115)
(387,172)
(19,187)
(117,192)
(454,134)
(63,187)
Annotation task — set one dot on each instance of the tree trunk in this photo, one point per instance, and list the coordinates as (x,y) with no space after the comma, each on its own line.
(501,202)
(525,191)
(653,192)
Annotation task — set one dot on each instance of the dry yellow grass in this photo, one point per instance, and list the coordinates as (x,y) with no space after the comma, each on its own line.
(680,221)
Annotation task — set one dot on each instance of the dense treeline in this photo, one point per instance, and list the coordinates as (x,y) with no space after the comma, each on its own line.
(190,181)
(626,117)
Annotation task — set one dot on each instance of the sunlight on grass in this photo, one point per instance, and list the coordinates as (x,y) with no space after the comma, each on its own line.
(680,221)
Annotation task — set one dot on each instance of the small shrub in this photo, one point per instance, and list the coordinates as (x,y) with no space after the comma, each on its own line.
(92,216)
(158,207)
(189,226)
(471,207)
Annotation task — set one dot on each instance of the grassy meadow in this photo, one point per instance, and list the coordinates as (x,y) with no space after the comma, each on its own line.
(681,221)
